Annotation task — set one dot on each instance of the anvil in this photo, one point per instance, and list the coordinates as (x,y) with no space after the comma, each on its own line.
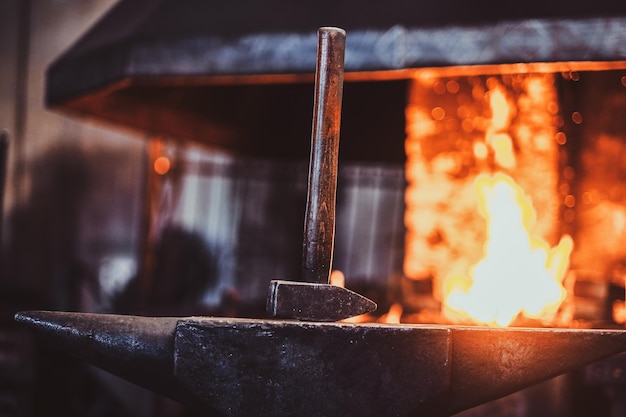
(235,367)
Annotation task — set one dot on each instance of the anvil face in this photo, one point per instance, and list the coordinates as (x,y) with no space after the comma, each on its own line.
(233,367)
(283,368)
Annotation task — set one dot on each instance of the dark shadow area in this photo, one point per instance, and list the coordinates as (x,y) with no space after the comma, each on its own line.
(47,265)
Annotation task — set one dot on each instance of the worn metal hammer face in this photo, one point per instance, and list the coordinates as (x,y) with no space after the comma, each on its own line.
(314,298)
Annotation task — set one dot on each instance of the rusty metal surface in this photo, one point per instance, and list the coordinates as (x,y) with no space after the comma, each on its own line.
(231,367)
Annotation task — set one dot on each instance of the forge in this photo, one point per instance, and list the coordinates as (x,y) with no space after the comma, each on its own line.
(477,142)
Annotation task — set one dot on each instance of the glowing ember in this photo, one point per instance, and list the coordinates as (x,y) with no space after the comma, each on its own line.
(519,273)
(162,165)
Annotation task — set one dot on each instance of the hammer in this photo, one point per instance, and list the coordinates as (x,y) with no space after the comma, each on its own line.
(314,298)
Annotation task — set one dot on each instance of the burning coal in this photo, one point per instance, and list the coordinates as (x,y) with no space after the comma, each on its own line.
(482,161)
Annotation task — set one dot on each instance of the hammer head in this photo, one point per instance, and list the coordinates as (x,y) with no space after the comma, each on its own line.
(315,302)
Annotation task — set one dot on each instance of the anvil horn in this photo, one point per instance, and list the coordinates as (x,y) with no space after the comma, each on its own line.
(138,349)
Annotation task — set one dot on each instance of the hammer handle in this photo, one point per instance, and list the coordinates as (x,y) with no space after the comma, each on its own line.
(319,223)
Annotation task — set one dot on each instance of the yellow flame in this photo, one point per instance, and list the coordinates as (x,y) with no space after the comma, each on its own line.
(500,108)
(503,150)
(519,273)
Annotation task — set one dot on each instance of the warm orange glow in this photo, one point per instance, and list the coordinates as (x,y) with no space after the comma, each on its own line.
(490,264)
(497,136)
(480,150)
(569,201)
(439,87)
(337,278)
(438,113)
(519,273)
(503,150)
(453,87)
(394,315)
(619,311)
(161,165)
(501,111)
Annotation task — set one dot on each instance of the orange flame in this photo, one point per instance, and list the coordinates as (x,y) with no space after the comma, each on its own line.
(519,273)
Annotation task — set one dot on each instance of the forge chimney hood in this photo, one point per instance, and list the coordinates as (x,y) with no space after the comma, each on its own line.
(237,74)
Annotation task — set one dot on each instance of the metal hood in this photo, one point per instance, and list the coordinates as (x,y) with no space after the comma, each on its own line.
(228,74)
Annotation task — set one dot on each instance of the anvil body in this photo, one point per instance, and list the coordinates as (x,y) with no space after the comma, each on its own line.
(234,367)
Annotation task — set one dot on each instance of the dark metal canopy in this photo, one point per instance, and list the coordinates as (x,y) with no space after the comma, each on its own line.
(238,74)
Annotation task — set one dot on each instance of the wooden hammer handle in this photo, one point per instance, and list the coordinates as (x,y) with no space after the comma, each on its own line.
(319,223)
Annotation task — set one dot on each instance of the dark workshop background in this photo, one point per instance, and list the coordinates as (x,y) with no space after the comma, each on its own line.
(72,204)
(83,228)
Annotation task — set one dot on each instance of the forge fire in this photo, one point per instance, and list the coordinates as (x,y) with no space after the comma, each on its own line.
(492,196)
